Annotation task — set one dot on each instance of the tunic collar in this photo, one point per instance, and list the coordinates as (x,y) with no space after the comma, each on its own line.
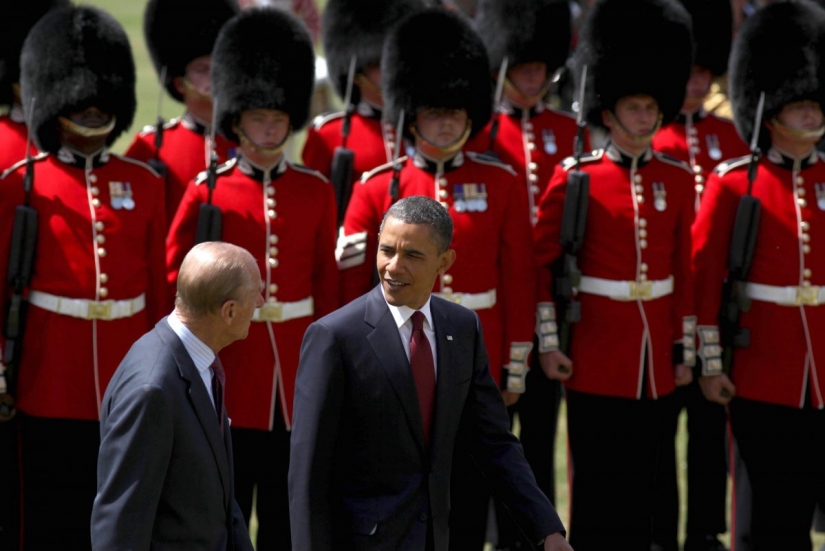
(622,158)
(259,173)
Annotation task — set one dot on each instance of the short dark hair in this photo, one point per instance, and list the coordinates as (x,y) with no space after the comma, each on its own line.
(419,209)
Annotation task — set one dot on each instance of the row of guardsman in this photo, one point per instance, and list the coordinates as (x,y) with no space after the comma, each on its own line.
(675,267)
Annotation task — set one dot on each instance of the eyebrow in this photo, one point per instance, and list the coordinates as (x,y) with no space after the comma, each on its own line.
(383,246)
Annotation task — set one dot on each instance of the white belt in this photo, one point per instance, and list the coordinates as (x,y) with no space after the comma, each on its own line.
(786,296)
(472,301)
(88,309)
(626,290)
(284,311)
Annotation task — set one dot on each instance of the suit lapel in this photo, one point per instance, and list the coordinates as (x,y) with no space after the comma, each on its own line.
(199,398)
(386,343)
(445,398)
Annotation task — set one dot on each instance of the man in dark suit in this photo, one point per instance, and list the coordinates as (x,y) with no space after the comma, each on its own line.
(386,387)
(165,464)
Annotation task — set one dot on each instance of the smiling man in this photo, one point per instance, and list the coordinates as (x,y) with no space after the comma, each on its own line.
(387,386)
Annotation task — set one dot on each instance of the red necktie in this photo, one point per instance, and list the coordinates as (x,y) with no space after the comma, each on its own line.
(421,362)
(218,380)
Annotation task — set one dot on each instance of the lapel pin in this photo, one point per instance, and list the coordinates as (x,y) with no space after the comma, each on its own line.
(449,337)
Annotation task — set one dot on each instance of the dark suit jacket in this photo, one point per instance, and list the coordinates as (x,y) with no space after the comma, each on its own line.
(164,478)
(360,476)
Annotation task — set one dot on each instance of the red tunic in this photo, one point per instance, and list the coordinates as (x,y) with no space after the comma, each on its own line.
(712,140)
(629,236)
(87,249)
(491,238)
(13,137)
(285,217)
(531,141)
(184,151)
(782,361)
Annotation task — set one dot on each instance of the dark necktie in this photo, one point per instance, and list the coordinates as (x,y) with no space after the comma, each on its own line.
(218,381)
(421,362)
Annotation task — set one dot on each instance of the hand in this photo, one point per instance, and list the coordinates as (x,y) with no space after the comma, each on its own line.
(510,397)
(717,388)
(683,375)
(556,542)
(556,365)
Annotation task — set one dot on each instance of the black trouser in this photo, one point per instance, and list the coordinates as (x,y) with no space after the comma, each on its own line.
(614,446)
(706,474)
(262,464)
(538,410)
(469,496)
(59,474)
(784,451)
(9,486)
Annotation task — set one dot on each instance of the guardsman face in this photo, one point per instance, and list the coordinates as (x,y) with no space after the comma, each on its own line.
(369,84)
(409,261)
(197,75)
(697,88)
(801,115)
(441,127)
(91,117)
(529,80)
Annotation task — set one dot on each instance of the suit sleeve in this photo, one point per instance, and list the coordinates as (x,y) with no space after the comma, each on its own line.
(135,450)
(500,455)
(316,414)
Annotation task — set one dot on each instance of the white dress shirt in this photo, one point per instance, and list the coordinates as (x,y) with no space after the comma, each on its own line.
(403,320)
(201,355)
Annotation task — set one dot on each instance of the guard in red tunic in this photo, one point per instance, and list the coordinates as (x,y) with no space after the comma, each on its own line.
(180,35)
(355,30)
(442,104)
(98,281)
(634,341)
(284,214)
(775,382)
(702,140)
(17,21)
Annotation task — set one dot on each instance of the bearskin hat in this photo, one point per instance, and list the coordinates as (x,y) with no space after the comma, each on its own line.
(523,31)
(263,59)
(178,31)
(635,47)
(712,23)
(76,57)
(17,22)
(358,28)
(435,59)
(778,50)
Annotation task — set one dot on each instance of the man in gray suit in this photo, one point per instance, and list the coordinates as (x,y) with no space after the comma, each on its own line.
(165,463)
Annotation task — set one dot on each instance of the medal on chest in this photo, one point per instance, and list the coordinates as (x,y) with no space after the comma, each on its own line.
(820,195)
(470,197)
(549,139)
(712,142)
(659,196)
(120,195)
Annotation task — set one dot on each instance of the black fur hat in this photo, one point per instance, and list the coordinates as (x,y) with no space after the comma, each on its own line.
(712,33)
(358,28)
(17,22)
(525,30)
(435,59)
(178,31)
(778,50)
(263,59)
(74,58)
(635,47)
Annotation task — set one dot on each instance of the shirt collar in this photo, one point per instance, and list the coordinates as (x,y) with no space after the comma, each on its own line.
(438,167)
(622,158)
(75,158)
(402,314)
(788,162)
(202,356)
(261,174)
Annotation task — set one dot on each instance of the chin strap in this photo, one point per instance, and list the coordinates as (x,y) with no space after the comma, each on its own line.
(267,151)
(86,131)
(525,99)
(449,149)
(776,126)
(633,136)
(196,92)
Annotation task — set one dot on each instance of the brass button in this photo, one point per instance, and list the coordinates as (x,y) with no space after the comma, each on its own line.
(531,146)
(442,182)
(699,188)
(643,233)
(447,290)
(806,273)
(801,192)
(447,279)
(273,262)
(640,198)
(270,203)
(643,277)
(802,202)
(100,239)
(535,190)
(533,178)
(96,203)
(271,213)
(99,225)
(273,289)
(530,136)
(643,267)
(534,166)
(95,191)
(699,179)
(104,278)
(273,251)
(643,244)
(93,178)
(806,249)
(697,169)
(101,252)
(639,189)
(806,238)
(642,222)
(443,193)
(637,179)
(805,226)
(104,292)
(270,191)
(528,125)
(273,239)
(799,180)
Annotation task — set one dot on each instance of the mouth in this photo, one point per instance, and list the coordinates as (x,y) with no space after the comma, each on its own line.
(394,285)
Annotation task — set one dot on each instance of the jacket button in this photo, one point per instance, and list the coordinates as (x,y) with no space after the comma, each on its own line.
(423,517)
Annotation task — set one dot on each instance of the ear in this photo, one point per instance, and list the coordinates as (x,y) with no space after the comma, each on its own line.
(177,83)
(229,310)
(606,119)
(447,260)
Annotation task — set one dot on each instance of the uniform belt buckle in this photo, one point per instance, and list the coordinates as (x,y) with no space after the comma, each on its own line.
(807,296)
(641,290)
(99,310)
(272,311)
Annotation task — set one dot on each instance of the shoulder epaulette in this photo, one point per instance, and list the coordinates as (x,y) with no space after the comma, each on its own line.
(22,162)
(136,162)
(672,161)
(379,169)
(228,165)
(307,170)
(726,166)
(321,120)
(152,128)
(490,161)
(570,162)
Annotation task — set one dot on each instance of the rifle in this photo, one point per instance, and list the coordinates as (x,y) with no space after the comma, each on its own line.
(566,273)
(210,219)
(344,158)
(502,75)
(742,245)
(20,268)
(159,166)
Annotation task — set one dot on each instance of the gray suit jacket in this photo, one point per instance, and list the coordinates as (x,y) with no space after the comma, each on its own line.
(164,470)
(360,475)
